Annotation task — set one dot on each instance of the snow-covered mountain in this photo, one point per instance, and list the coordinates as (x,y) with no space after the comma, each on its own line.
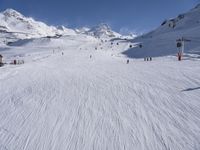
(102,31)
(14,25)
(162,41)
(13,21)
(182,22)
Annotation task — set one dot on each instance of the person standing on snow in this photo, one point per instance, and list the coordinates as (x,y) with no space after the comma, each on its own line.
(179,56)
(127,62)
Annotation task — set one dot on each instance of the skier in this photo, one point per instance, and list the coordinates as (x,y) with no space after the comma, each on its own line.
(179,56)
(90,56)
(127,62)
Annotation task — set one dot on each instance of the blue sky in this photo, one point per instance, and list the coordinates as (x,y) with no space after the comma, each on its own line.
(122,15)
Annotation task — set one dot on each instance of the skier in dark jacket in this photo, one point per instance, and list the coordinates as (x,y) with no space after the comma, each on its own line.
(127,62)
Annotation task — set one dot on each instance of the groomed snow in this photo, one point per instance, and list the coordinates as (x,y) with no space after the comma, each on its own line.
(74,102)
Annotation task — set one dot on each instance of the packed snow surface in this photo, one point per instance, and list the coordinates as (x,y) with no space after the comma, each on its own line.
(74,102)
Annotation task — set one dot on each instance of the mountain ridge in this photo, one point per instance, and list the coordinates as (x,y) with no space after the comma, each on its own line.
(22,27)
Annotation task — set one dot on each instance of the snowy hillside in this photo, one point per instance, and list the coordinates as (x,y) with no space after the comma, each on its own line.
(162,41)
(66,31)
(102,31)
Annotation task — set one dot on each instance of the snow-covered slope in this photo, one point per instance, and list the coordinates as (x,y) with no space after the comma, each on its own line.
(162,41)
(102,31)
(129,36)
(69,96)
(66,31)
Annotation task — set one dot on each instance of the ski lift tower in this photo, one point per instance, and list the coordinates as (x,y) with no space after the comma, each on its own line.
(181,44)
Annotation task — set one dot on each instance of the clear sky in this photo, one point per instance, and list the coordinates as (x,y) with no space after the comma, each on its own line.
(122,15)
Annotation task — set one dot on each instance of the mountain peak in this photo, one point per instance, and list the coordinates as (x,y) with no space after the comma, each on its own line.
(102,26)
(11,12)
(102,31)
(61,27)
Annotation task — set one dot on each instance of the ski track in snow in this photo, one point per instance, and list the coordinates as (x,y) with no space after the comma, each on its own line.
(72,102)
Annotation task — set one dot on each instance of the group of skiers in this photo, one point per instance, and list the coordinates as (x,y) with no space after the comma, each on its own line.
(148,59)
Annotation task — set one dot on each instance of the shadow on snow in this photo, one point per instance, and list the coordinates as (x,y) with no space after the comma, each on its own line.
(191,89)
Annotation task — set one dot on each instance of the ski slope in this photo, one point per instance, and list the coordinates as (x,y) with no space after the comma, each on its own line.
(74,102)
(163,40)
